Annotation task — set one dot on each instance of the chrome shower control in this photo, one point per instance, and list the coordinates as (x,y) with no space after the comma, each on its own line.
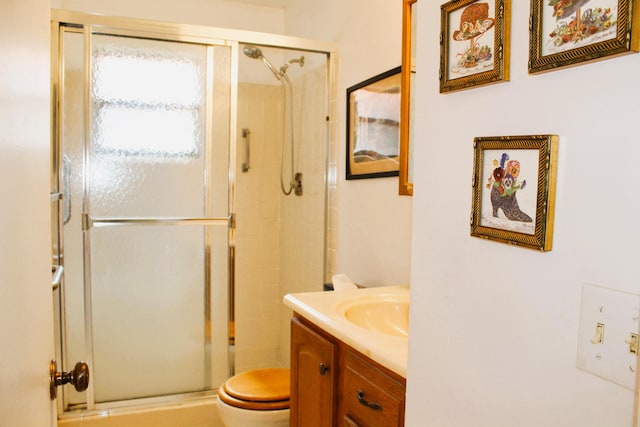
(297,184)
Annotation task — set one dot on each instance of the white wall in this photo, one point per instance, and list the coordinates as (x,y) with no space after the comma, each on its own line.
(214,13)
(25,262)
(373,222)
(494,327)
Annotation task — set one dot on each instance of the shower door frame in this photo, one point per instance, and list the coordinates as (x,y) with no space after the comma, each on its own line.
(175,33)
(88,222)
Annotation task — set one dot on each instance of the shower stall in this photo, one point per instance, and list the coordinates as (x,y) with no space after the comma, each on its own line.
(170,147)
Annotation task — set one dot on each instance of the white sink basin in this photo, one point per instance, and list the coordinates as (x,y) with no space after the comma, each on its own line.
(386,314)
(373,321)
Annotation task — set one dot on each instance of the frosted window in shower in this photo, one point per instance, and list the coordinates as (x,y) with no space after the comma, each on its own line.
(148,128)
(148,101)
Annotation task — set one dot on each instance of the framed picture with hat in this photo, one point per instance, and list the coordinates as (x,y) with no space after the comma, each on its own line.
(564,33)
(474,43)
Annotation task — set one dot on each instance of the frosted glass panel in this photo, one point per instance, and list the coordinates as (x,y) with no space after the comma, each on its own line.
(72,115)
(148,128)
(157,294)
(148,311)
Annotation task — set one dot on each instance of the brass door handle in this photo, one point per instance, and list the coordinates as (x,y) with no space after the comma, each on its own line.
(79,377)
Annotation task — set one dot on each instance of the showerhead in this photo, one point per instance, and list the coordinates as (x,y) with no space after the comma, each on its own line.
(254,52)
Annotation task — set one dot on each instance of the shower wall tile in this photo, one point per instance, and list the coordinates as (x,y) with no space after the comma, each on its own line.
(302,240)
(280,239)
(257,246)
(333,172)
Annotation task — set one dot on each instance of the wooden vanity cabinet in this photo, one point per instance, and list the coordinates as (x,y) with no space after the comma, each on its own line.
(334,385)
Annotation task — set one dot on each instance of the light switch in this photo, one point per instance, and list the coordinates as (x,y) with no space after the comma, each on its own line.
(599,336)
(632,340)
(609,322)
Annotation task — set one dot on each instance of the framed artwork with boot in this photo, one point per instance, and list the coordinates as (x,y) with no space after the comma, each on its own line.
(514,183)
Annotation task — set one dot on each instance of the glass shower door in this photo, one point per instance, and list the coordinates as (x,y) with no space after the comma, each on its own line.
(146,236)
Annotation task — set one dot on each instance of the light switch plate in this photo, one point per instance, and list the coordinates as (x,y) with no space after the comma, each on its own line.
(610,357)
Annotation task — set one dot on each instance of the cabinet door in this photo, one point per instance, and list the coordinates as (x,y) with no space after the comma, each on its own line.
(313,371)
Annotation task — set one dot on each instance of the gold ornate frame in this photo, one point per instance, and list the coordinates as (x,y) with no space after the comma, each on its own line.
(474,66)
(568,44)
(502,165)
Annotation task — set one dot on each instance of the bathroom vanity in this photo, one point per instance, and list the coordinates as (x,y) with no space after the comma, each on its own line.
(347,367)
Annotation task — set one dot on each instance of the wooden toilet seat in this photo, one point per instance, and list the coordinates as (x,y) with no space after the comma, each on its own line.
(259,389)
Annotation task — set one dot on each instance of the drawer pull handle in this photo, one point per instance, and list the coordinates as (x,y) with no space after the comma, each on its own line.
(323,369)
(374,406)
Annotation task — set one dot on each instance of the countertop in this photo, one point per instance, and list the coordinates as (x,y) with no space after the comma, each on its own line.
(322,309)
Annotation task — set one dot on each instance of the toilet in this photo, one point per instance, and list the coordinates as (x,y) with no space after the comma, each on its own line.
(256,398)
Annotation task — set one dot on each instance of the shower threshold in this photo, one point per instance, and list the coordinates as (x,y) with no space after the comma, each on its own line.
(141,404)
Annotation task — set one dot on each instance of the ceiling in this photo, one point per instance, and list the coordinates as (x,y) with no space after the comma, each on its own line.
(268,3)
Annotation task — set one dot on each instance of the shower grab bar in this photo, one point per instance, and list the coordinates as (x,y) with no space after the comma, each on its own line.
(56,271)
(90,222)
(246,134)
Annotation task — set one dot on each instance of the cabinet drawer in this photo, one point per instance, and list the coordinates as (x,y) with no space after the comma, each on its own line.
(369,396)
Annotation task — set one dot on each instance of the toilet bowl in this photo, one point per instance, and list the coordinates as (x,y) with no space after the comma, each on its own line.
(256,398)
